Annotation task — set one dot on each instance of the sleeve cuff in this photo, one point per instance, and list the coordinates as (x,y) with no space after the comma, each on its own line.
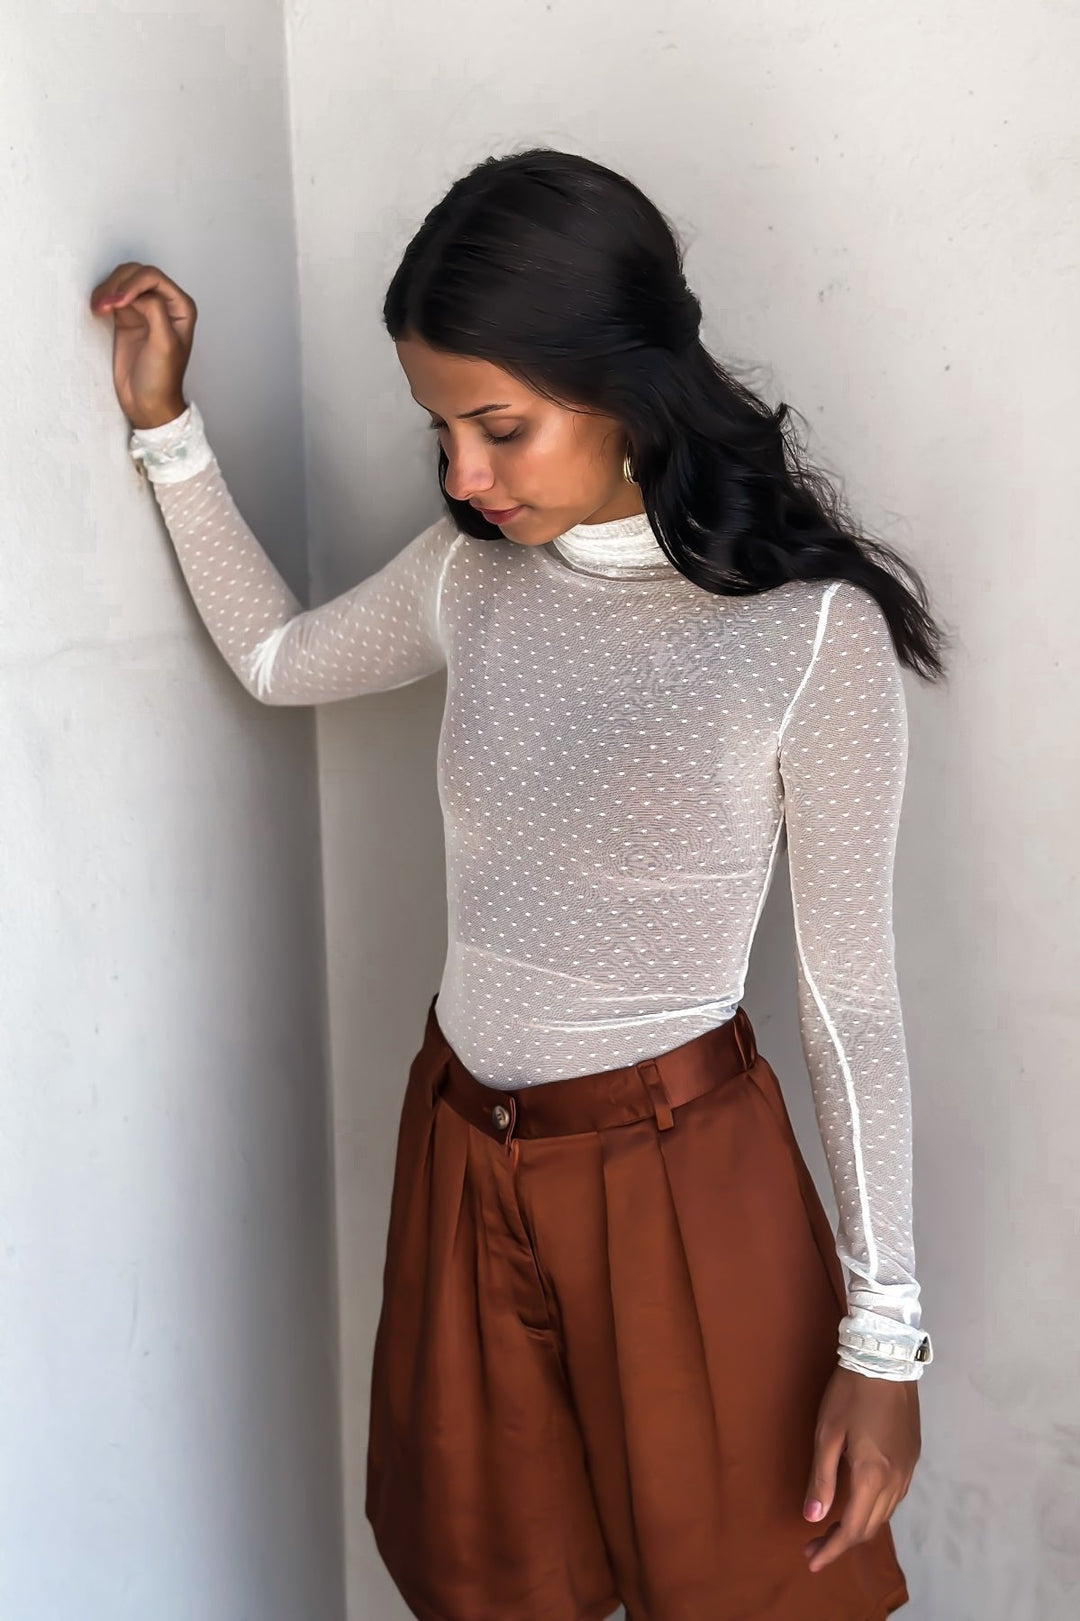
(889,1351)
(175,451)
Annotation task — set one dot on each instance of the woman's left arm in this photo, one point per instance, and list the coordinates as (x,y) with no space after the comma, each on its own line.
(843,757)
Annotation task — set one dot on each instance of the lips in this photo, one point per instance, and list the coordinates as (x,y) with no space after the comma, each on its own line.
(494,515)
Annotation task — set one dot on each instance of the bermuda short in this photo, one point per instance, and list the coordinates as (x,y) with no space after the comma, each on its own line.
(609,1314)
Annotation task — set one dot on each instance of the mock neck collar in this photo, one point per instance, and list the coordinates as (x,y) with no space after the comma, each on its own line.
(622,548)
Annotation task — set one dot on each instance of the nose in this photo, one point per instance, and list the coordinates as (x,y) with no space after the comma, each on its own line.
(468,475)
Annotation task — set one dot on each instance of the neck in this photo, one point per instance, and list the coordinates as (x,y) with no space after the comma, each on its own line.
(618,548)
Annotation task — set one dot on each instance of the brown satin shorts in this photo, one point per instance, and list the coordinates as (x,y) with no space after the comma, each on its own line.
(610,1311)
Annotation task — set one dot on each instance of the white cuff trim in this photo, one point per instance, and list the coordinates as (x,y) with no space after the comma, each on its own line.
(885,1348)
(175,451)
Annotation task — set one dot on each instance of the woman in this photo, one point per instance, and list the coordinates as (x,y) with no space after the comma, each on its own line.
(618,1358)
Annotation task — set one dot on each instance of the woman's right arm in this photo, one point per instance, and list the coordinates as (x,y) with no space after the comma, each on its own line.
(381,634)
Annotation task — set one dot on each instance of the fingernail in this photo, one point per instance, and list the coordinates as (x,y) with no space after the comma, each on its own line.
(812,1510)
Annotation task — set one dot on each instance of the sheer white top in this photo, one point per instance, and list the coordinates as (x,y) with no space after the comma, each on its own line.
(622,755)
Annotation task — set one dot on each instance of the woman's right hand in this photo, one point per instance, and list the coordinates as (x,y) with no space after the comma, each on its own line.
(153,329)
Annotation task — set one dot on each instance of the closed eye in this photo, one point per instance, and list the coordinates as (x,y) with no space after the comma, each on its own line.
(492,438)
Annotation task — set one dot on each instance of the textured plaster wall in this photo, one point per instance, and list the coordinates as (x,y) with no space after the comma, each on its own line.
(168,1413)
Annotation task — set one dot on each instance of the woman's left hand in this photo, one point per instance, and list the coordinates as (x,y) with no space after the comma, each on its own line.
(874,1424)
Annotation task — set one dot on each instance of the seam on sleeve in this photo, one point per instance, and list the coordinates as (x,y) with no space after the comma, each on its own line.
(823,615)
(439,588)
(853,1106)
(834,1035)
(261,660)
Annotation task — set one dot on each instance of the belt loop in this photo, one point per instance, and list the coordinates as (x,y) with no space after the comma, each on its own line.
(650,1074)
(744,1038)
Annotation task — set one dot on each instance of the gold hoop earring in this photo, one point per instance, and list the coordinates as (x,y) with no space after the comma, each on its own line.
(627,471)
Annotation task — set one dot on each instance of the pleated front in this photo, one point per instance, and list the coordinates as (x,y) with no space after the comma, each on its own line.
(599,1363)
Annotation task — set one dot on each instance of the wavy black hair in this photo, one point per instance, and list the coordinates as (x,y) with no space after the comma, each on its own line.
(563,273)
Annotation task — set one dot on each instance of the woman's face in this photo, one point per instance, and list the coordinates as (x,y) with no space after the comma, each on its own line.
(509,448)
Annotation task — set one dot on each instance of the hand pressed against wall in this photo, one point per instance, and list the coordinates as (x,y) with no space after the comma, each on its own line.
(153,330)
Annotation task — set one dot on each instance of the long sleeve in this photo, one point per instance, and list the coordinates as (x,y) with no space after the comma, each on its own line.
(843,759)
(381,634)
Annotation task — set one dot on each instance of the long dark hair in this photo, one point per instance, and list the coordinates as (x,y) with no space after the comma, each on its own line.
(561,272)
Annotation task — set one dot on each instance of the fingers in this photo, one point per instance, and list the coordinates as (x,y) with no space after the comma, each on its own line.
(132,280)
(828,1445)
(882,1511)
(870,1502)
(104,290)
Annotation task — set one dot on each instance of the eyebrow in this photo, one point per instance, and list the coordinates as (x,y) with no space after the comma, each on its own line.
(463,416)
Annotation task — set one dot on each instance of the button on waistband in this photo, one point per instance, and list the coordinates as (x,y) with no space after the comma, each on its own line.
(500,1116)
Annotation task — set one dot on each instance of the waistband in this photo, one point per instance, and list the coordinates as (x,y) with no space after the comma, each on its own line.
(653,1087)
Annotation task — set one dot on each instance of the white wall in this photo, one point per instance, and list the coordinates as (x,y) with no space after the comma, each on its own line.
(881,206)
(168,1422)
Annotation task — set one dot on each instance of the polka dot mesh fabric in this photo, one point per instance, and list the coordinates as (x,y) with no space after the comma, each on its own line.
(622,757)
